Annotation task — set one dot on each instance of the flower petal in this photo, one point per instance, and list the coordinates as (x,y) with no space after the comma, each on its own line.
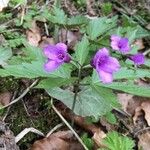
(112,65)
(67,58)
(51,52)
(124,45)
(115,41)
(51,65)
(61,46)
(101,53)
(105,77)
(138,59)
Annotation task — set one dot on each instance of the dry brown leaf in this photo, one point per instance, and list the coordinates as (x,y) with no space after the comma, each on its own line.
(98,138)
(46,41)
(139,43)
(62,140)
(33,35)
(144,141)
(5,98)
(146,108)
(124,99)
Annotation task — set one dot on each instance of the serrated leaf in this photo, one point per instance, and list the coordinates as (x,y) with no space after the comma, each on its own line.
(54,82)
(136,33)
(77,21)
(115,141)
(124,73)
(97,27)
(88,102)
(33,70)
(82,50)
(5,54)
(129,87)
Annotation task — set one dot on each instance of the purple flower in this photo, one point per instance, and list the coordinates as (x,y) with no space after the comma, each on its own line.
(105,65)
(138,59)
(120,44)
(57,55)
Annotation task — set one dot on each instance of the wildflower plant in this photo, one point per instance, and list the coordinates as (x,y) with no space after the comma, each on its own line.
(103,61)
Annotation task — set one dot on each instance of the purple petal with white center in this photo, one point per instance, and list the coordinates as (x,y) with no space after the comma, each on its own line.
(114,42)
(51,65)
(105,76)
(138,59)
(61,46)
(110,66)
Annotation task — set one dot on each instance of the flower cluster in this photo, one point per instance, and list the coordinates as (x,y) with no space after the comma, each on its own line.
(104,64)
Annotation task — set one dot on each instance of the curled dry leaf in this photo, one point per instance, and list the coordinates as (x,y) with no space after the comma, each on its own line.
(33,34)
(5,98)
(62,140)
(144,141)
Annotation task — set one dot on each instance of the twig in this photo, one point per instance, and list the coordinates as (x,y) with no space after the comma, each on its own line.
(68,125)
(7,112)
(140,131)
(54,129)
(46,28)
(22,95)
(25,131)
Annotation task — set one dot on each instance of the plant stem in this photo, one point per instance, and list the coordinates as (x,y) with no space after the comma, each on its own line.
(76,88)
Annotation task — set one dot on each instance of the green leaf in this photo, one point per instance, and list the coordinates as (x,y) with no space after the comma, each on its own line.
(87,141)
(129,87)
(34,69)
(115,141)
(54,82)
(56,16)
(77,21)
(110,117)
(88,103)
(124,73)
(99,26)
(82,50)
(106,8)
(136,33)
(5,54)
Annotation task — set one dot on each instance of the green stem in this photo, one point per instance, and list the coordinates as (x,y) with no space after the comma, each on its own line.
(76,89)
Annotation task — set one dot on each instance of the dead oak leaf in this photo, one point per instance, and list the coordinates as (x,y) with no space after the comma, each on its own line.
(33,34)
(61,140)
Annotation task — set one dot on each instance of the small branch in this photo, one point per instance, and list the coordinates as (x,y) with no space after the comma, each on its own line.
(26,131)
(22,95)
(54,129)
(68,125)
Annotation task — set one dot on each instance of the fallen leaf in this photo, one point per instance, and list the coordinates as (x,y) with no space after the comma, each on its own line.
(62,140)
(144,141)
(5,98)
(139,43)
(145,106)
(33,34)
(46,41)
(3,4)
